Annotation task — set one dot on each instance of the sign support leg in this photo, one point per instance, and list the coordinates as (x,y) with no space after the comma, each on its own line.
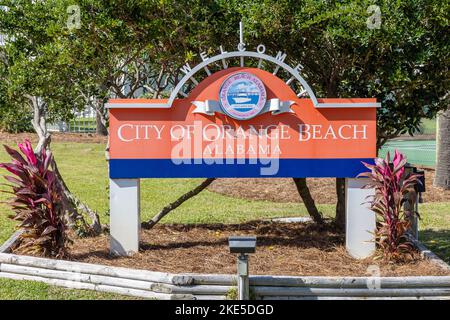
(125,222)
(360,220)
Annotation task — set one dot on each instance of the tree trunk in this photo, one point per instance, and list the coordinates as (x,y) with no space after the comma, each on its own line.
(303,190)
(442,177)
(39,123)
(340,205)
(72,204)
(100,125)
(101,115)
(76,208)
(177,203)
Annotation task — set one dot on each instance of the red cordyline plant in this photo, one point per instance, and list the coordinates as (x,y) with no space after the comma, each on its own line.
(392,186)
(37,202)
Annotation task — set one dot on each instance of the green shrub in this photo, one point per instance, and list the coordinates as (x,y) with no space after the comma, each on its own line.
(232,294)
(37,202)
(392,184)
(15,119)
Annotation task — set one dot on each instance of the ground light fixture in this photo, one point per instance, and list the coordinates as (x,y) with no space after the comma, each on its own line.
(243,246)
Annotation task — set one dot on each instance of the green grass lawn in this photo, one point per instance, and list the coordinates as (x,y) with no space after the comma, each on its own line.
(85,170)
(31,290)
(435,228)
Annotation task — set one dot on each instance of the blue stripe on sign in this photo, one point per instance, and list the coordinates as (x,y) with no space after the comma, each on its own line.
(200,168)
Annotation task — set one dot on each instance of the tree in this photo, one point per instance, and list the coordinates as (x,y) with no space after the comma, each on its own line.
(37,75)
(14,117)
(402,59)
(442,177)
(399,56)
(128,48)
(111,49)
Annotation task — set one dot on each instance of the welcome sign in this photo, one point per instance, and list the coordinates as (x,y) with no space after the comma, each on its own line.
(241,122)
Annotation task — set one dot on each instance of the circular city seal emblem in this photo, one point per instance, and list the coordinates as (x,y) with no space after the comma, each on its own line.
(242,96)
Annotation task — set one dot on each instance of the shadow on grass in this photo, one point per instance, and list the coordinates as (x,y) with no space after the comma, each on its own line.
(437,241)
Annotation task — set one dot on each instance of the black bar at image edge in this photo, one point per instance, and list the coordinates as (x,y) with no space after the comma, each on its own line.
(180,310)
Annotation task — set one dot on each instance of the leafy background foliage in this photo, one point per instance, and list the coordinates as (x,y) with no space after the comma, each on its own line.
(404,64)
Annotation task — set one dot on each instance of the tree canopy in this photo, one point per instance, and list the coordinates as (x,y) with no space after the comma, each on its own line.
(60,56)
(403,61)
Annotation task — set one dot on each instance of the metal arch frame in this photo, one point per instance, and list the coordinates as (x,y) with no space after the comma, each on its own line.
(234,54)
(227,55)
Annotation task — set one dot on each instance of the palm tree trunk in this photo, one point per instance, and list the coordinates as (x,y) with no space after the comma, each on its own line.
(340,206)
(442,177)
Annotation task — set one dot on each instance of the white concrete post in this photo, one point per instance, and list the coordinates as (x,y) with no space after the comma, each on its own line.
(125,222)
(360,220)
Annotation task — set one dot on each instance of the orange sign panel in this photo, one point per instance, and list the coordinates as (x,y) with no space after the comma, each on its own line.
(237,122)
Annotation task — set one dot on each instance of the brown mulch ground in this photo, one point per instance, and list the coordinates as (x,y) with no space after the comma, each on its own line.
(289,249)
(322,190)
(282,249)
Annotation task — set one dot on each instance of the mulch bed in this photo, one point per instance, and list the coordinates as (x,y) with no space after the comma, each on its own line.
(282,249)
(323,190)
